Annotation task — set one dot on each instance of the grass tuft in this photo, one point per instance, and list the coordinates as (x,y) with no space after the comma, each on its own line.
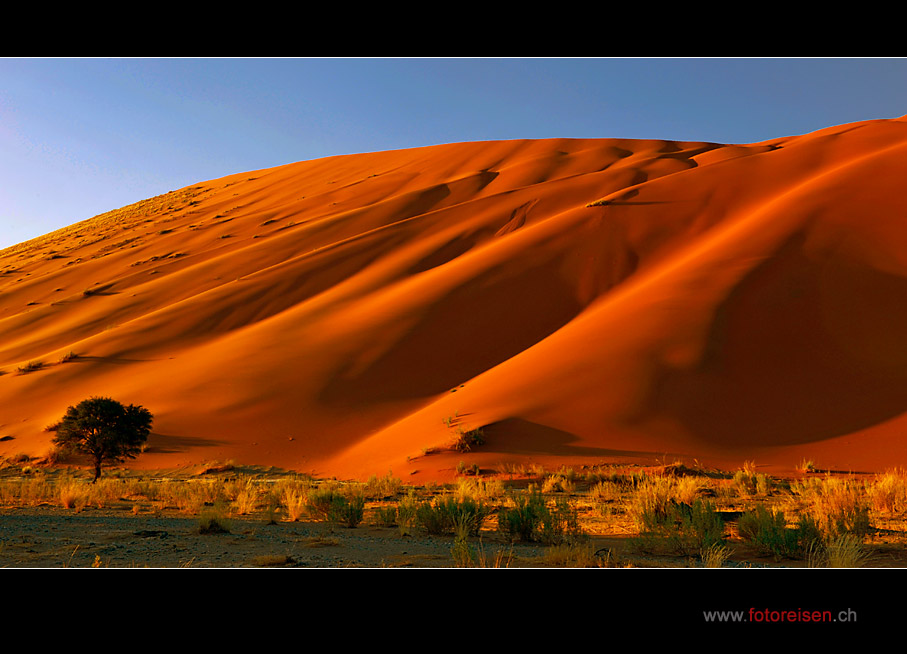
(214,520)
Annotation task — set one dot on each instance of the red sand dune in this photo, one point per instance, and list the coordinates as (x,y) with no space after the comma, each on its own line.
(582,300)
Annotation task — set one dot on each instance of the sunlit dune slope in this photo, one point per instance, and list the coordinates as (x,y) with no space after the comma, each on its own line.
(580,300)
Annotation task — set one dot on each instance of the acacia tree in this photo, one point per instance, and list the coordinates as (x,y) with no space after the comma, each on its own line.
(105,430)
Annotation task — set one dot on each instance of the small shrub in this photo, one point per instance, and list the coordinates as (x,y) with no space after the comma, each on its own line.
(385,516)
(560,523)
(407,514)
(272,508)
(522,521)
(294,497)
(214,520)
(433,519)
(466,440)
(654,499)
(73,495)
(246,498)
(679,527)
(558,483)
(806,466)
(31,366)
(532,519)
(704,527)
(605,496)
(764,485)
(464,469)
(462,553)
(749,482)
(480,490)
(447,514)
(347,511)
(319,503)
(767,530)
(382,487)
(329,504)
(604,491)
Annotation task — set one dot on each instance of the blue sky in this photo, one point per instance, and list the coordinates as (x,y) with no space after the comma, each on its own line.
(79,137)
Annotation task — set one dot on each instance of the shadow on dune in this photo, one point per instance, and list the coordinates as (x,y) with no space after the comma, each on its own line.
(169,444)
(99,290)
(519,436)
(802,351)
(624,199)
(460,337)
(114,360)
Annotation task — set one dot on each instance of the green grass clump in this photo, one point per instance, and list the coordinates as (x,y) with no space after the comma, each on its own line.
(523,520)
(382,487)
(532,518)
(749,482)
(331,505)
(449,513)
(686,529)
(767,530)
(407,511)
(348,511)
(669,514)
(385,516)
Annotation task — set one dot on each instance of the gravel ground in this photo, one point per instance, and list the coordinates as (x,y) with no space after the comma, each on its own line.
(44,537)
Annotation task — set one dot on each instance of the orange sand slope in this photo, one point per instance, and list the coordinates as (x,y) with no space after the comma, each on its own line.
(581,300)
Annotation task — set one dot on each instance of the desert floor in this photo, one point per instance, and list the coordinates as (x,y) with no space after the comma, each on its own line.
(129,528)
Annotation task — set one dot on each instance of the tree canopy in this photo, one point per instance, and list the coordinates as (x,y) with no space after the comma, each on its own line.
(105,430)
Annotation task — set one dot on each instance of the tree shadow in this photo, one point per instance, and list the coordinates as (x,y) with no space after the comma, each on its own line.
(171,444)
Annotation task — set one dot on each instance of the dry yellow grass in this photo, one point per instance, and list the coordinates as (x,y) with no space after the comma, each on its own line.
(839,505)
(572,555)
(73,494)
(888,492)
(846,551)
(846,502)
(272,560)
(293,496)
(480,490)
(246,497)
(654,495)
(715,556)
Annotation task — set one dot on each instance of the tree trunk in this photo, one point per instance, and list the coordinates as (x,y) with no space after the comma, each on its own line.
(97,470)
